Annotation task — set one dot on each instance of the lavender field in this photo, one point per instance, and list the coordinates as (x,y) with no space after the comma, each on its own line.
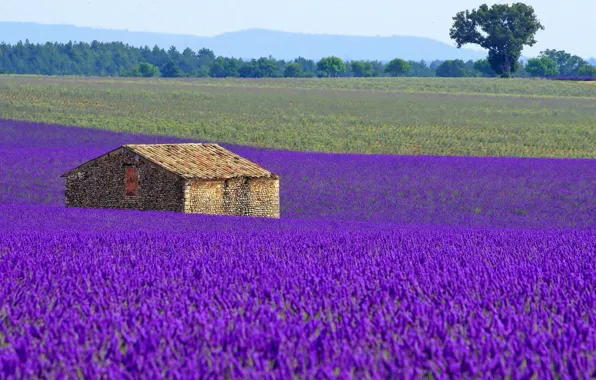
(381,266)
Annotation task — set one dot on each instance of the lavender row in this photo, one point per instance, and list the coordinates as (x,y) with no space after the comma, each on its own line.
(463,191)
(402,302)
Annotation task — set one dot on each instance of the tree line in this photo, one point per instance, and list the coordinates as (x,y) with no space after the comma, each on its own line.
(119,59)
(502,30)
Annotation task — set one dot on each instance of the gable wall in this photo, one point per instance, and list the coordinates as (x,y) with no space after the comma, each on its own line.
(100,184)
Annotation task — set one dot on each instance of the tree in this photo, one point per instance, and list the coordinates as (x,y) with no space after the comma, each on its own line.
(397,67)
(217,69)
(225,67)
(452,68)
(160,57)
(361,68)
(188,62)
(434,64)
(249,70)
(483,67)
(521,71)
(205,57)
(293,70)
(232,65)
(170,70)
(567,64)
(267,67)
(308,65)
(331,66)
(173,52)
(542,67)
(470,70)
(146,70)
(377,68)
(502,29)
(419,69)
(587,71)
(261,68)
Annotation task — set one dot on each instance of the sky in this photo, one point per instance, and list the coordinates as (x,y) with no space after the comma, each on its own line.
(570,24)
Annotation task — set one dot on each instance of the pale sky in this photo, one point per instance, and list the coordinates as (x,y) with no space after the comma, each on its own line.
(570,24)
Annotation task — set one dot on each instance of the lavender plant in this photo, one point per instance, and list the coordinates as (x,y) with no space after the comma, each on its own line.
(399,302)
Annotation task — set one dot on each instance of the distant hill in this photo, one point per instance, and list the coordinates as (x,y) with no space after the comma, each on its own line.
(592,61)
(252,43)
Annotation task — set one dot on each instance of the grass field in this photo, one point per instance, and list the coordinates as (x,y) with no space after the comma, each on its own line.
(433,116)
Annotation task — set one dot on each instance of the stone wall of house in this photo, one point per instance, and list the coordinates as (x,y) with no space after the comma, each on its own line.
(237,199)
(264,194)
(204,197)
(235,196)
(101,184)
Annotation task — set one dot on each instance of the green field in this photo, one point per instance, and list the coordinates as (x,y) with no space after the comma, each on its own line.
(436,116)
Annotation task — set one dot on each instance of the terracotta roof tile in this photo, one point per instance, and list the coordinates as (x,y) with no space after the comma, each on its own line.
(205,161)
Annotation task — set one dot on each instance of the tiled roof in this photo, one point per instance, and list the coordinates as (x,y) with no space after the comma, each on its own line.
(204,161)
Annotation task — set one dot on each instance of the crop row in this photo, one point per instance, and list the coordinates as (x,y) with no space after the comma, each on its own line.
(480,86)
(423,120)
(469,191)
(312,304)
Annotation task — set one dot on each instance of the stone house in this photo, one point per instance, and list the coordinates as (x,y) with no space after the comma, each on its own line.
(190,178)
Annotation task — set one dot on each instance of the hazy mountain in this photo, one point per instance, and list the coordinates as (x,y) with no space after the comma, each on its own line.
(592,61)
(253,43)
(257,42)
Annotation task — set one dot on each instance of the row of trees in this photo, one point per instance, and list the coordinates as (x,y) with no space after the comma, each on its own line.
(554,63)
(502,30)
(118,59)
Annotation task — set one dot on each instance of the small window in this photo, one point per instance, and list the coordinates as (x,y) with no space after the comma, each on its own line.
(131,182)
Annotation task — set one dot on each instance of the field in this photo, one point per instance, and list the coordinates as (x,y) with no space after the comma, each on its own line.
(382,266)
(470,116)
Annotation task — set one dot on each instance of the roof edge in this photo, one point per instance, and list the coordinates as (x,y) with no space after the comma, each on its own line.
(130,147)
(88,161)
(271,174)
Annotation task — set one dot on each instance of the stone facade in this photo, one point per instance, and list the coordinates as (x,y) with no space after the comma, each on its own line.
(204,197)
(264,199)
(124,180)
(234,196)
(101,184)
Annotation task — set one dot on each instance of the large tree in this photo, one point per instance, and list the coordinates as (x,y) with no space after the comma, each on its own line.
(331,66)
(171,70)
(146,70)
(361,68)
(293,70)
(587,71)
(542,67)
(501,29)
(568,64)
(453,68)
(397,67)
